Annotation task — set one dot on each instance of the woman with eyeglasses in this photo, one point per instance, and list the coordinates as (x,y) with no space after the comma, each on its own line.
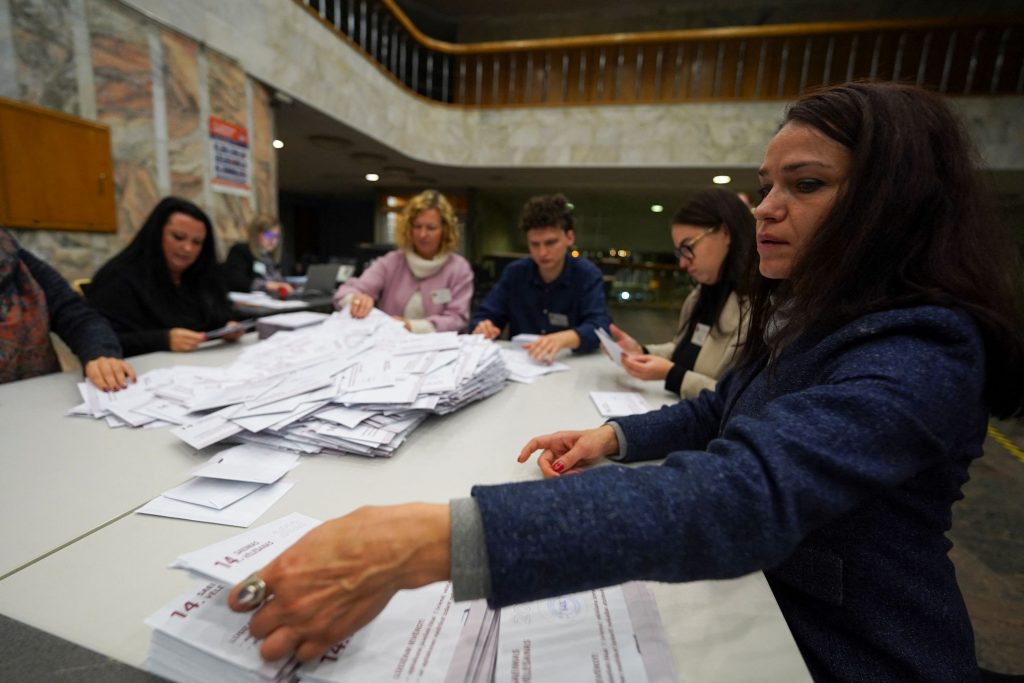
(255,265)
(424,283)
(714,241)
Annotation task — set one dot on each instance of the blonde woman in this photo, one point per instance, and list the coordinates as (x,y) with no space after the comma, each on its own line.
(255,265)
(423,283)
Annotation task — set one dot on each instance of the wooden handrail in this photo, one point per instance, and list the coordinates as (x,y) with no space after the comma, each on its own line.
(965,56)
(683,35)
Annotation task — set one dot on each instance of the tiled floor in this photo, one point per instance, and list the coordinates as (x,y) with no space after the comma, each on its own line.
(988,525)
(988,550)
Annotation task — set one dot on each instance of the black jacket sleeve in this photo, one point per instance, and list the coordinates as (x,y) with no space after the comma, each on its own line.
(237,268)
(120,301)
(85,331)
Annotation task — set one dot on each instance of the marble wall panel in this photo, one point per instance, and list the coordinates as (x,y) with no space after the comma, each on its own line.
(264,172)
(186,147)
(226,83)
(124,101)
(227,89)
(231,215)
(45,55)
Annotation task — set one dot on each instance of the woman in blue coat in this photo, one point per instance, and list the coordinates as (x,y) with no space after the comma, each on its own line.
(884,332)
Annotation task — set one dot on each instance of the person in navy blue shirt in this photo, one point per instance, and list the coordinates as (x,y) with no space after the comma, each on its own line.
(552,293)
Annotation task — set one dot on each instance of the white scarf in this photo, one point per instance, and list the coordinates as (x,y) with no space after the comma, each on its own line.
(423,268)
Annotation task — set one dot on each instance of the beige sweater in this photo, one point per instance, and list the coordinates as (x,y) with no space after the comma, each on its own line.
(719,350)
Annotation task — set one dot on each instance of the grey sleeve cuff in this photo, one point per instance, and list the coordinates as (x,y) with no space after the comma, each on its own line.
(471,570)
(621,436)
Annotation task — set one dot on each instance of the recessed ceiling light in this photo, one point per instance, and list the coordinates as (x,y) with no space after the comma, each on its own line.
(721,180)
(372,177)
(657,208)
(278,144)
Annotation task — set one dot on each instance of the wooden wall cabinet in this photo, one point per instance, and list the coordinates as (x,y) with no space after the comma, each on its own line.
(56,171)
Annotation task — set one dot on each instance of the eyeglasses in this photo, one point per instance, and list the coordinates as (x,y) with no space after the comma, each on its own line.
(271,234)
(685,249)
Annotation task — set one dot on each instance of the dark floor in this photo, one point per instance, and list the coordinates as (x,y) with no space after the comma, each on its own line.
(988,525)
(988,549)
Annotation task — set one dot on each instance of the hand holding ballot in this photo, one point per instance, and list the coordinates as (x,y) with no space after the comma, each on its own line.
(625,342)
(340,575)
(632,358)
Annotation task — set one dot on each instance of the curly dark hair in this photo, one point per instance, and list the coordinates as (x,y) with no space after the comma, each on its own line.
(547,211)
(912,227)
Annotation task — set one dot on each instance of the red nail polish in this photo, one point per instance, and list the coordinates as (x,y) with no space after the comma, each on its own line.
(557,466)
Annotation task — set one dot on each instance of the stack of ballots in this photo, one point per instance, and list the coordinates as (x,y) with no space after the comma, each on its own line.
(612,634)
(344,386)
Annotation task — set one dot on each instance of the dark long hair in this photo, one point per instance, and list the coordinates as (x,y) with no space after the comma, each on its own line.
(912,227)
(710,209)
(145,252)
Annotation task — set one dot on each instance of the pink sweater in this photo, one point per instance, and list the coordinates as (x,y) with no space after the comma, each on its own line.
(389,280)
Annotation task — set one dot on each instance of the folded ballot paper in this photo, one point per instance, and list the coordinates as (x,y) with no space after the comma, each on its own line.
(234,487)
(611,634)
(343,386)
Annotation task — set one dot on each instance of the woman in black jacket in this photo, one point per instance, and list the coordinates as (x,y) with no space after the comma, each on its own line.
(164,290)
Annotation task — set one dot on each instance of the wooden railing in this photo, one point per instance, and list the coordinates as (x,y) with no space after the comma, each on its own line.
(956,57)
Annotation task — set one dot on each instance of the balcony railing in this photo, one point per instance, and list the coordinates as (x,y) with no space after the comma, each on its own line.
(955,57)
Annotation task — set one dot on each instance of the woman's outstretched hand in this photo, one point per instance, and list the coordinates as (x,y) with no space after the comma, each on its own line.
(569,452)
(340,575)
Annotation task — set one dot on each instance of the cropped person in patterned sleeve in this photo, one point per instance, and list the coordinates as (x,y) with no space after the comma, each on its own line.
(34,301)
(552,293)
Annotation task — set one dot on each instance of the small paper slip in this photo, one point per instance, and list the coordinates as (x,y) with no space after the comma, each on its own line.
(211,493)
(243,513)
(209,430)
(248,463)
(610,346)
(235,558)
(197,637)
(523,338)
(619,403)
(413,639)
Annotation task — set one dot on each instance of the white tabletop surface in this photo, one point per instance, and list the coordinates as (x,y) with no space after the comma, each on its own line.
(79,566)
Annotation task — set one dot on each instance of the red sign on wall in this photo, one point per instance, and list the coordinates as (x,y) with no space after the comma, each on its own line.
(229,146)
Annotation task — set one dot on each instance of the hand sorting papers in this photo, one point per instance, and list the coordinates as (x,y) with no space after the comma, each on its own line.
(610,346)
(234,487)
(524,369)
(421,636)
(342,386)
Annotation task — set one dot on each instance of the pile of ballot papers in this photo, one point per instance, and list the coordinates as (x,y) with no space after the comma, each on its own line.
(343,386)
(608,634)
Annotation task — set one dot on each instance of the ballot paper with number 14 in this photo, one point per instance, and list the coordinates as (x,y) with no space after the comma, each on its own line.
(237,557)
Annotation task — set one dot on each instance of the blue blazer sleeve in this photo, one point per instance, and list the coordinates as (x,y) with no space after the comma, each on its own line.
(495,305)
(888,405)
(593,308)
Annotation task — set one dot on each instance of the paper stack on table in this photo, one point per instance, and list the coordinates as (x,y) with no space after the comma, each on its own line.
(343,386)
(422,635)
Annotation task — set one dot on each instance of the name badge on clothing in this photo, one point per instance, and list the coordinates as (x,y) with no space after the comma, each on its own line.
(700,334)
(558,319)
(260,268)
(441,296)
